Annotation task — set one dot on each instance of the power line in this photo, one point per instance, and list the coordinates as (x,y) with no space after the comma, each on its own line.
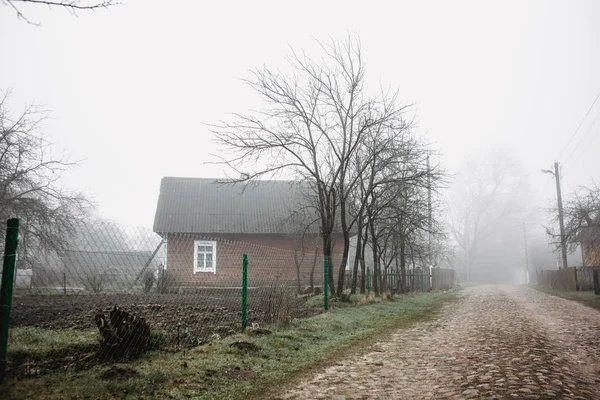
(579,126)
(593,139)
(583,137)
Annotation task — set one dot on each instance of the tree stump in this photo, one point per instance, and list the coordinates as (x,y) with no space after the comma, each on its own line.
(123,335)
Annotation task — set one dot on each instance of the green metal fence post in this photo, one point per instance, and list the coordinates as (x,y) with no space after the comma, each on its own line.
(8,273)
(368,282)
(326,283)
(244,290)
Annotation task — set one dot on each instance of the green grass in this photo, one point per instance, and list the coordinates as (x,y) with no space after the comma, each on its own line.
(316,302)
(38,342)
(588,297)
(217,371)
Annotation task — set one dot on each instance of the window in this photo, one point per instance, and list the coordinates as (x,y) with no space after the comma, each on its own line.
(205,256)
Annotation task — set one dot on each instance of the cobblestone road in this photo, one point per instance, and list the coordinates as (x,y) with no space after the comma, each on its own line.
(497,342)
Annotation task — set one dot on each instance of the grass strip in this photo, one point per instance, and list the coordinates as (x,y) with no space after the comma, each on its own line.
(588,297)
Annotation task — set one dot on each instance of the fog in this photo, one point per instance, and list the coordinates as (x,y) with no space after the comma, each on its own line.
(501,88)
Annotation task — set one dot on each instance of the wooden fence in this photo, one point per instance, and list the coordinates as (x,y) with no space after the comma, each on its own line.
(585,277)
(442,278)
(564,279)
(416,279)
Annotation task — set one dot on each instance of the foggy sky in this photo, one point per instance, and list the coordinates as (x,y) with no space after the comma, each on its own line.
(130,87)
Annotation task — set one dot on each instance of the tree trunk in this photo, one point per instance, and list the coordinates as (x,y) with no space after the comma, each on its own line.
(296,261)
(403,263)
(356,259)
(397,277)
(375,261)
(312,271)
(123,335)
(342,271)
(380,276)
(363,267)
(414,268)
(346,235)
(327,250)
(375,282)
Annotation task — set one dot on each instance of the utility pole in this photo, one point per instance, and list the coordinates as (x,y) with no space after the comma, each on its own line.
(526,255)
(563,244)
(429,209)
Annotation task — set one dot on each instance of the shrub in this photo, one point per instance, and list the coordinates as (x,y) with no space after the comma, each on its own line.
(94,280)
(149,280)
(166,283)
(279,302)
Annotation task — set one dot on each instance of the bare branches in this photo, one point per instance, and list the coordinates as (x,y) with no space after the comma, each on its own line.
(487,205)
(73,6)
(581,210)
(320,126)
(30,180)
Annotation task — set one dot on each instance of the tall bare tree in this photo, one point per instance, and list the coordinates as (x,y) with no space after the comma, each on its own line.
(487,203)
(391,203)
(315,121)
(30,182)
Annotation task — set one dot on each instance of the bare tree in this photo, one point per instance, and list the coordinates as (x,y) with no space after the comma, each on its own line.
(581,210)
(488,200)
(315,121)
(99,235)
(73,6)
(303,223)
(30,186)
(394,189)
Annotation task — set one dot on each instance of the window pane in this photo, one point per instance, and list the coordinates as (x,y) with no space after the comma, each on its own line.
(205,256)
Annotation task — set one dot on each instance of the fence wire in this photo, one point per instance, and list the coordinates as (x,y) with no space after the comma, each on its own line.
(134,290)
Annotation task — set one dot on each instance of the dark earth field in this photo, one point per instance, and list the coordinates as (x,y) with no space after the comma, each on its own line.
(182,320)
(198,315)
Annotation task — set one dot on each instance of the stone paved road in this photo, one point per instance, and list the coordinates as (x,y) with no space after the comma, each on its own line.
(497,342)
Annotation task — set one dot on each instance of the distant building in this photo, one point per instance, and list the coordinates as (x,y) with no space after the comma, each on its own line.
(120,267)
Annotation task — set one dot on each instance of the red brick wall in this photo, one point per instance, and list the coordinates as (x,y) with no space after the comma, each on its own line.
(270,258)
(591,254)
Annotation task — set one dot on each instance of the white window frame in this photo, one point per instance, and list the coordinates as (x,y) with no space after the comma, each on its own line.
(212,269)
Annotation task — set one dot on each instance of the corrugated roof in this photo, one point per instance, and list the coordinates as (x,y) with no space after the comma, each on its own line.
(100,260)
(198,205)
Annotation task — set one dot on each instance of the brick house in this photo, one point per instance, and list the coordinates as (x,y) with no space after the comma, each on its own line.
(208,226)
(590,246)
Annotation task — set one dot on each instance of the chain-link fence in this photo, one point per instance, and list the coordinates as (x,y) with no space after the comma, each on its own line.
(187,287)
(119,291)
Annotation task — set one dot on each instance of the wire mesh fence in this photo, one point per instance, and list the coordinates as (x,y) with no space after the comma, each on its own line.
(119,291)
